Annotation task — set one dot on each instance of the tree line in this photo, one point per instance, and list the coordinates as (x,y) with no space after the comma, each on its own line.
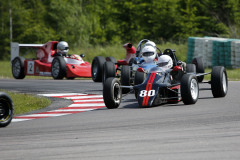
(93,22)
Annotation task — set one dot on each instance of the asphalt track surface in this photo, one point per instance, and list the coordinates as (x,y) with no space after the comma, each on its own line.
(210,129)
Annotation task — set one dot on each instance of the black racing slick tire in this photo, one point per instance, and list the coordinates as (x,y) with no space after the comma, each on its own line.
(97,68)
(108,70)
(59,67)
(199,67)
(219,81)
(112,93)
(139,77)
(189,89)
(191,68)
(125,78)
(111,59)
(18,68)
(6,109)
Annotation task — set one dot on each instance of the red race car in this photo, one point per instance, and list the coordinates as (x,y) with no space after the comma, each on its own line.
(48,62)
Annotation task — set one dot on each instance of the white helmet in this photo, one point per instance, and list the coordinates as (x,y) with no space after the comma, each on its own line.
(62,47)
(165,61)
(149,53)
(149,43)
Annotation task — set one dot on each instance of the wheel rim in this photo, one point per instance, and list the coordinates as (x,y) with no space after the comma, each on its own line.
(224,83)
(16,68)
(194,89)
(94,69)
(116,93)
(55,69)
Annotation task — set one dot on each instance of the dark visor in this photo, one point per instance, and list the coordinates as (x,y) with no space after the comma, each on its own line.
(162,64)
(148,54)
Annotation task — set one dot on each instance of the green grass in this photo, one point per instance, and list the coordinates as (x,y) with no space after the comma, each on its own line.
(233,74)
(24,103)
(116,51)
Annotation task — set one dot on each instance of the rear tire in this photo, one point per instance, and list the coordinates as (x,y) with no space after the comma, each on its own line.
(112,93)
(199,67)
(18,68)
(139,77)
(111,59)
(189,89)
(125,78)
(97,68)
(59,67)
(108,70)
(191,68)
(6,109)
(219,81)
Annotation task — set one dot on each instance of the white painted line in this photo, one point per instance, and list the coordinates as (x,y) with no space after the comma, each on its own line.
(45,115)
(61,94)
(71,110)
(19,120)
(89,100)
(87,105)
(83,97)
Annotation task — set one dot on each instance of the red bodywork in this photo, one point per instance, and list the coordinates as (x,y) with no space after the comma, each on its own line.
(42,66)
(130,53)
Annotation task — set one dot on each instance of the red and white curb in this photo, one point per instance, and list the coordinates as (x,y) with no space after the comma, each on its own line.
(81,103)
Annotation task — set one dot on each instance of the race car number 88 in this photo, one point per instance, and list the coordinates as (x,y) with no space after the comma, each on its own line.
(149,93)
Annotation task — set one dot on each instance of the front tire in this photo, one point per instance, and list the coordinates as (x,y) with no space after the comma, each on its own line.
(219,81)
(18,68)
(112,93)
(125,78)
(59,68)
(189,89)
(6,109)
(97,68)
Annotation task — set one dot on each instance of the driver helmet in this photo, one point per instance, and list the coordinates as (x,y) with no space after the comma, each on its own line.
(149,53)
(149,43)
(62,47)
(165,61)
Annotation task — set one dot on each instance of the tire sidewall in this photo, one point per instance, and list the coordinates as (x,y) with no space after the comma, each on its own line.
(125,78)
(21,73)
(139,78)
(6,99)
(186,94)
(62,67)
(108,93)
(217,81)
(108,70)
(199,67)
(97,64)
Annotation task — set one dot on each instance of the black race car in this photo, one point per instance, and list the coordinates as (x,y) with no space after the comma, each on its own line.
(159,87)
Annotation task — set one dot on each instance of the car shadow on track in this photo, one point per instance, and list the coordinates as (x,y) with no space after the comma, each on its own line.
(134,105)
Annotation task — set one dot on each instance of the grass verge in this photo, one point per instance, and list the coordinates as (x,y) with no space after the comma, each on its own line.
(24,103)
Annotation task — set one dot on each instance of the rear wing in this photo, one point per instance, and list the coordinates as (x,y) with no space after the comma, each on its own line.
(15,48)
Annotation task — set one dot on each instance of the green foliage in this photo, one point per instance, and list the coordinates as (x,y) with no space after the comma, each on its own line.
(86,23)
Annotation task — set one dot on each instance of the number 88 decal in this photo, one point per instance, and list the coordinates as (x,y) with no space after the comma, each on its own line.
(149,93)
